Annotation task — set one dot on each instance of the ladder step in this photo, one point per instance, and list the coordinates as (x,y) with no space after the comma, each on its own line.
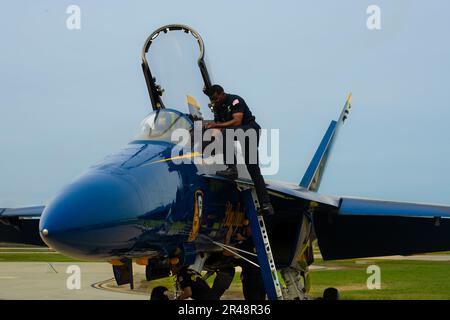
(262,246)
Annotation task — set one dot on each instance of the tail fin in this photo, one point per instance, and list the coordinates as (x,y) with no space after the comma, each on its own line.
(313,175)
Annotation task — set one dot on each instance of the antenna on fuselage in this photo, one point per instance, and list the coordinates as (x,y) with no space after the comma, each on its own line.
(156,91)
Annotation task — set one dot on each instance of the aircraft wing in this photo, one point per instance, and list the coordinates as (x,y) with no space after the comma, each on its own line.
(27,212)
(284,190)
(21,225)
(369,228)
(348,228)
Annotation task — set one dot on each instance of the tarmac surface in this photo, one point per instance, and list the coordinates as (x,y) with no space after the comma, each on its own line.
(48,281)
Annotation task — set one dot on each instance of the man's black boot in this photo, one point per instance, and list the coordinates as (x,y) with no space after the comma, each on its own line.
(230,173)
(266,210)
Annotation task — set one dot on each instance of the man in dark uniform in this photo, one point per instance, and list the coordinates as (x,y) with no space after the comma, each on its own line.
(223,265)
(191,283)
(231,112)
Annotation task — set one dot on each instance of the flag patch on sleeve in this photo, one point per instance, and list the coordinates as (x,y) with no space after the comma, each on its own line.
(235,102)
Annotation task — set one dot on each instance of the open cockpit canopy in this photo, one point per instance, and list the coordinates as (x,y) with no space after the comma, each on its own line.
(173,62)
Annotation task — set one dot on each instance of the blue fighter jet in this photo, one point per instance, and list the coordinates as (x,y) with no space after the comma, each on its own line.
(139,205)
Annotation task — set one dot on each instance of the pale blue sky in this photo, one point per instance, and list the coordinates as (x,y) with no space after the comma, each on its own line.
(68,98)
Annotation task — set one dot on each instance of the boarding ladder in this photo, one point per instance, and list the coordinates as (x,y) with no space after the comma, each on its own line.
(262,244)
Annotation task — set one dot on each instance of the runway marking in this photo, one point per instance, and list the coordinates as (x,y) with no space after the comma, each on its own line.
(105,285)
(52,268)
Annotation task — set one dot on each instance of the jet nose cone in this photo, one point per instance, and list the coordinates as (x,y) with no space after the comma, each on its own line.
(84,220)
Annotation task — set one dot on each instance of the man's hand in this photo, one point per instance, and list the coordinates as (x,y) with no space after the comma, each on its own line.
(236,121)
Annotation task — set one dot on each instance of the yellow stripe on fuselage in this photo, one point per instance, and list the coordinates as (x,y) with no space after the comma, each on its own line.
(189,155)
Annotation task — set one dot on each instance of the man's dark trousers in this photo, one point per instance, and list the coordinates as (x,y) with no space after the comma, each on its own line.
(253,168)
